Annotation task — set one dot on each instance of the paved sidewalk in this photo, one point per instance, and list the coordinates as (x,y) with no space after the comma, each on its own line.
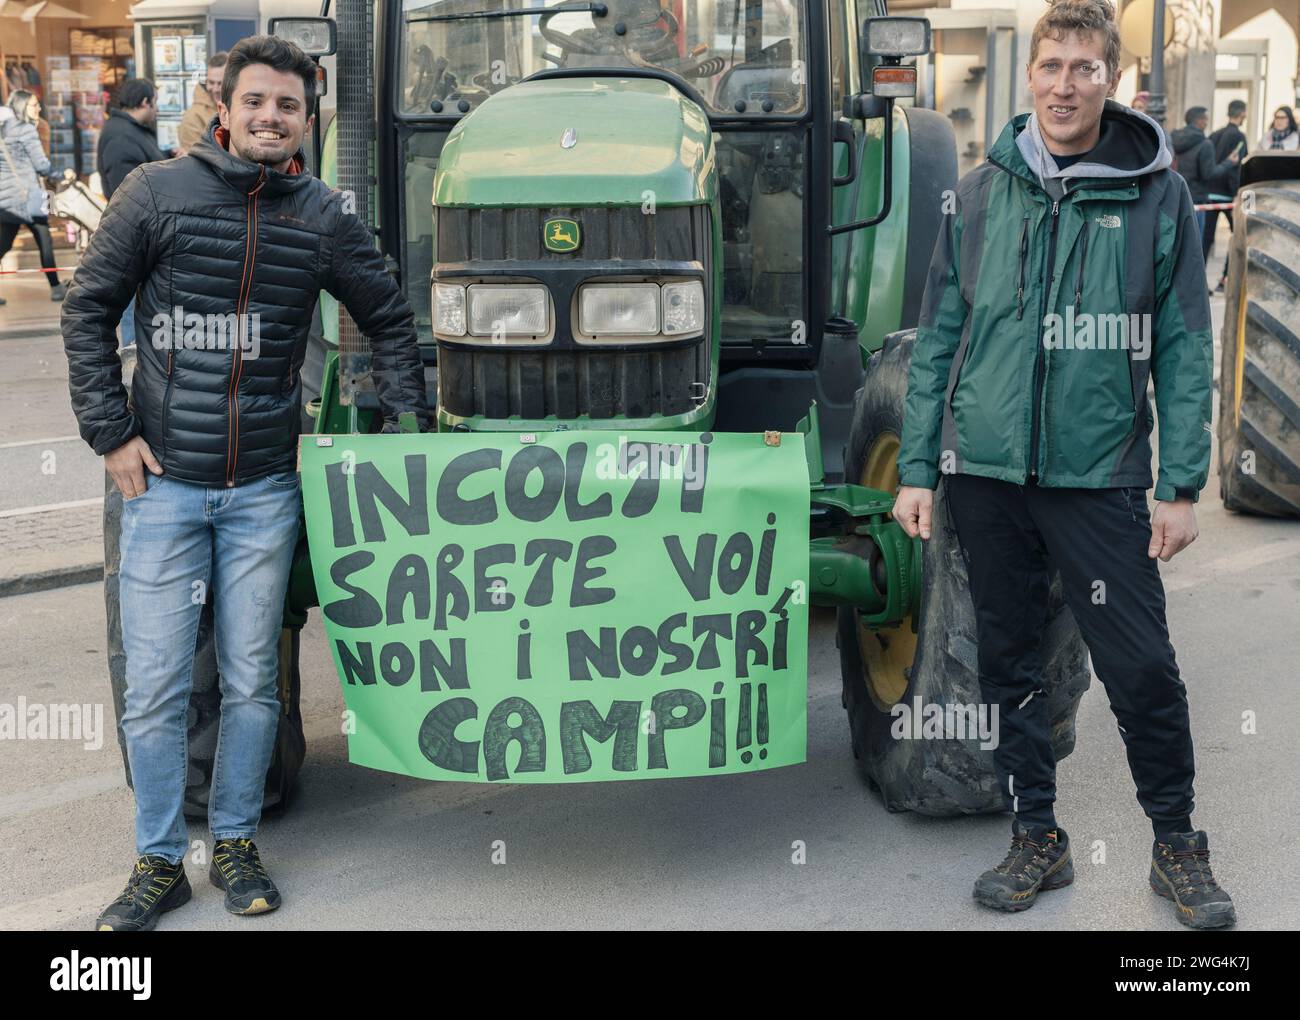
(52,548)
(28,310)
(52,497)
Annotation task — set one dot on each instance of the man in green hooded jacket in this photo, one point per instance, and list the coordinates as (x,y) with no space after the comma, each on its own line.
(1068,277)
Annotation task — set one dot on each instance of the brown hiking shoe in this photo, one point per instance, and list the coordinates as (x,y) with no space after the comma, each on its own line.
(1180,871)
(1039,859)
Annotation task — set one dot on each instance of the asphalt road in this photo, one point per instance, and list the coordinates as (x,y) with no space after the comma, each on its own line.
(360,848)
(54,470)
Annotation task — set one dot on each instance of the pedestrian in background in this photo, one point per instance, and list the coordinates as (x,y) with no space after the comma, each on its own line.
(1227,139)
(24,202)
(203,107)
(1283,135)
(126,142)
(1140,102)
(1194,159)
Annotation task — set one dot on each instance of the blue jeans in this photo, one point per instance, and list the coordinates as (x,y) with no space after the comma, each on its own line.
(179,539)
(127,325)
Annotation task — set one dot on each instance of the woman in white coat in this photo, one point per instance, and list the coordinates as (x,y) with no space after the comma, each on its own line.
(22,197)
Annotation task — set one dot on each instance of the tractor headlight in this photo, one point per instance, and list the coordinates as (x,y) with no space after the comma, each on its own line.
(896,37)
(449,309)
(508,310)
(683,307)
(618,309)
(316,37)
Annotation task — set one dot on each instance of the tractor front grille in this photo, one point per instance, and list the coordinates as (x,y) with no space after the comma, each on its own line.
(570,383)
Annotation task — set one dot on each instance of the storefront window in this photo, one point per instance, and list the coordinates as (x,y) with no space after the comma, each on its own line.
(176,59)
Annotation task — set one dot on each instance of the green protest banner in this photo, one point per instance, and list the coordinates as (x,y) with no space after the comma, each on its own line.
(565,606)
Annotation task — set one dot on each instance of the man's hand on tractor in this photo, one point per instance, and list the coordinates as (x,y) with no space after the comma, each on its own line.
(127,463)
(1173,528)
(913,507)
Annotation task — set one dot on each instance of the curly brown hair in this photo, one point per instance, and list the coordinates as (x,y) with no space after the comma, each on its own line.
(1083,17)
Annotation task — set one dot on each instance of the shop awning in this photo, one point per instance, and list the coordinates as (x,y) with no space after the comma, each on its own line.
(149,9)
(170,8)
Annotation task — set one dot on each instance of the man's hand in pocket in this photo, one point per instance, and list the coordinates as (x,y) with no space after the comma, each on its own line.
(127,465)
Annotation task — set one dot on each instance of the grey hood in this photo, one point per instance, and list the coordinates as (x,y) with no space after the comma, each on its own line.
(1131,144)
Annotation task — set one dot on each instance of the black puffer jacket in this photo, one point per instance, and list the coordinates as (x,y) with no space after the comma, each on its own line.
(209,235)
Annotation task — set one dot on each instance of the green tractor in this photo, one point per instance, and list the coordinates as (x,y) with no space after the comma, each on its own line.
(689,215)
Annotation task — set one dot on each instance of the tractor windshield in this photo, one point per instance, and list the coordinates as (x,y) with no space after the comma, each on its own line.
(729,50)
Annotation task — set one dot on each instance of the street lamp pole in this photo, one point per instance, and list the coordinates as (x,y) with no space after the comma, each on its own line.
(1156,99)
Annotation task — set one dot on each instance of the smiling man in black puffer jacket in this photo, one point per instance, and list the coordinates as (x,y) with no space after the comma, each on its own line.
(225,251)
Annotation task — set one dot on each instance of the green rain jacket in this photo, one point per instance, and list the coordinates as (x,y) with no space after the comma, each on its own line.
(1053,297)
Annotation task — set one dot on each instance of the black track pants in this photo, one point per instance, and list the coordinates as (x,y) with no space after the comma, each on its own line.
(1098,539)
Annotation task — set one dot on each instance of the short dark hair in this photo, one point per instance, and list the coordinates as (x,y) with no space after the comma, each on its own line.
(277,54)
(1236,108)
(1194,114)
(218,59)
(134,93)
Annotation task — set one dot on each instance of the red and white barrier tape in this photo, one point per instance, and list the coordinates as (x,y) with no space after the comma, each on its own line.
(1213,206)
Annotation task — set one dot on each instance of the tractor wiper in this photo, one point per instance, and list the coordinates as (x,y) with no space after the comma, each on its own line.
(598,10)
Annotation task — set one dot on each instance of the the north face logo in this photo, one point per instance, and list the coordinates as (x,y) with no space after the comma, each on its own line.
(1108,221)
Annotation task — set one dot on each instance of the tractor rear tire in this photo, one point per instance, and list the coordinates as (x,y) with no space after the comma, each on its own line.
(937,662)
(204,718)
(1259,376)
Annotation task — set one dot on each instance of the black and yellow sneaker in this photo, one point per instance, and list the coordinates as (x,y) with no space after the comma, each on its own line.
(155,887)
(238,870)
(1038,859)
(1180,871)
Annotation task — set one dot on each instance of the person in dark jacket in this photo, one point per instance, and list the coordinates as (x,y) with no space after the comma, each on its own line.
(1027,394)
(127,141)
(1227,140)
(1194,158)
(227,249)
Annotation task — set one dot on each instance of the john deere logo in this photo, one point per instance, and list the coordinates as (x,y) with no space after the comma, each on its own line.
(561,234)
